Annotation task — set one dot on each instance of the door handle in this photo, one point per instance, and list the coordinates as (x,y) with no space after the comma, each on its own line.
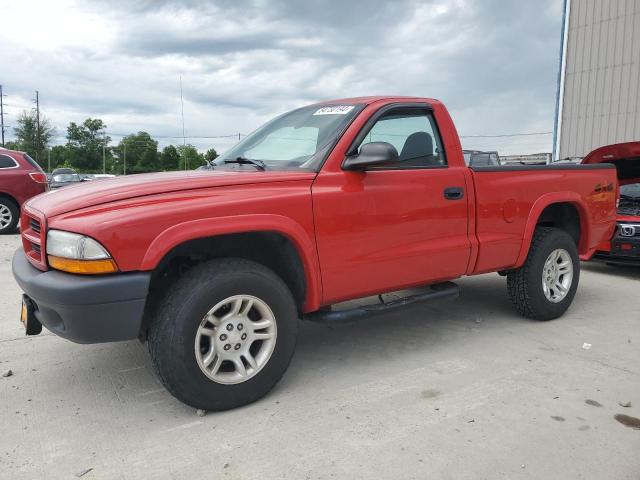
(454,193)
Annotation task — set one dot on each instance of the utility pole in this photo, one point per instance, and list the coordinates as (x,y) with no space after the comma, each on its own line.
(184,140)
(49,160)
(125,158)
(2,114)
(37,125)
(104,160)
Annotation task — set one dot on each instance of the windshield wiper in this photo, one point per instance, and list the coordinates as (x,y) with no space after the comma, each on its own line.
(259,164)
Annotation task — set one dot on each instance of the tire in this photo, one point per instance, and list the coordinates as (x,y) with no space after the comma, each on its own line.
(178,350)
(9,215)
(525,284)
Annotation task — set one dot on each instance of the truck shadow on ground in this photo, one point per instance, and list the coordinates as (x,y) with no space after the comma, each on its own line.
(410,334)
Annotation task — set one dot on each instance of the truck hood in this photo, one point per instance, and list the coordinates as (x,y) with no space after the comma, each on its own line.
(625,156)
(98,192)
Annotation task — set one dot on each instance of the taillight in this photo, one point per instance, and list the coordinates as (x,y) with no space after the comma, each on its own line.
(38,177)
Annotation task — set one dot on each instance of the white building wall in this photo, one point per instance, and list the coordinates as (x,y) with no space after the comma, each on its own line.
(600,102)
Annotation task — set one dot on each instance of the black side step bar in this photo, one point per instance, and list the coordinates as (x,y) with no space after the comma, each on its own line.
(436,292)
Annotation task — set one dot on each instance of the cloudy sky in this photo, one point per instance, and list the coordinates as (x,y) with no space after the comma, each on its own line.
(494,62)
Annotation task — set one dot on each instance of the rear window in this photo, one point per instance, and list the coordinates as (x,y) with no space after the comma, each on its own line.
(7,162)
(32,162)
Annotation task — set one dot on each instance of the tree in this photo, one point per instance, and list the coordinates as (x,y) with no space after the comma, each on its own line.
(59,156)
(140,152)
(12,145)
(211,155)
(27,137)
(170,158)
(189,157)
(85,143)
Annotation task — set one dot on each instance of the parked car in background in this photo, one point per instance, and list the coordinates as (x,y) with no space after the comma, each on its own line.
(63,177)
(20,179)
(624,247)
(476,158)
(89,177)
(327,203)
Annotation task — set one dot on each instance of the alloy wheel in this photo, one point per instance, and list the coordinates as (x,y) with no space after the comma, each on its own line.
(557,275)
(235,339)
(6,217)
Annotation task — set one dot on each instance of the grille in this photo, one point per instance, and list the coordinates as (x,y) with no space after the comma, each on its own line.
(628,230)
(33,230)
(35,226)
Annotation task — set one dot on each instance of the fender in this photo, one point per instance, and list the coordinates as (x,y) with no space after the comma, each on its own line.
(216,226)
(534,215)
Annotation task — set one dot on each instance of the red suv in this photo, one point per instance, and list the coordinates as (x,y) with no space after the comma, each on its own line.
(20,179)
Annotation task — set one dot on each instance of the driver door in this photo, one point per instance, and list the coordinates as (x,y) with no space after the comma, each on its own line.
(392,227)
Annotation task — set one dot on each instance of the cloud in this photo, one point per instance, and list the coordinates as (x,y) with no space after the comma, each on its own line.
(494,63)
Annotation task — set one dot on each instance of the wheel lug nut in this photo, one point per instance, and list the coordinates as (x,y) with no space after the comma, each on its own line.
(223,337)
(240,326)
(227,346)
(244,336)
(237,347)
(229,327)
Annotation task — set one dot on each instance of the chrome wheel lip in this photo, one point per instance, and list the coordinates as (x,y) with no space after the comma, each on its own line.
(557,275)
(230,338)
(6,217)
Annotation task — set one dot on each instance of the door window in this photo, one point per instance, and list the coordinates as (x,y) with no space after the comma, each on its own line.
(413,133)
(7,162)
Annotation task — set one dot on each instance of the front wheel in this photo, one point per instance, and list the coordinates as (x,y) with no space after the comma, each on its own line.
(224,335)
(544,287)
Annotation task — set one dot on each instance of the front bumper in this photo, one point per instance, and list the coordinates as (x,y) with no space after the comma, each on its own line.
(84,309)
(624,251)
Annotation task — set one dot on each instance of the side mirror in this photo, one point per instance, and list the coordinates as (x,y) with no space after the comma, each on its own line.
(374,154)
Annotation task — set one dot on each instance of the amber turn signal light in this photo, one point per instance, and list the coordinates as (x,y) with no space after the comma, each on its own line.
(83,267)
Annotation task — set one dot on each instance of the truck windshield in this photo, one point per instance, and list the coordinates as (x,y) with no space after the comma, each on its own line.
(300,139)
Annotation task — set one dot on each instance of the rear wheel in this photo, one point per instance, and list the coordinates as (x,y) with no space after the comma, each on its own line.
(544,287)
(9,215)
(224,335)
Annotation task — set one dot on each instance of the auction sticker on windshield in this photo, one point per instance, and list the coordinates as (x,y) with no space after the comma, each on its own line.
(335,110)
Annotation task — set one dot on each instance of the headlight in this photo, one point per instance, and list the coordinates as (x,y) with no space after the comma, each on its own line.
(74,253)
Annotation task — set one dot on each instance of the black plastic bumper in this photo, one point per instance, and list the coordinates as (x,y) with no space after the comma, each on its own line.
(84,309)
(624,251)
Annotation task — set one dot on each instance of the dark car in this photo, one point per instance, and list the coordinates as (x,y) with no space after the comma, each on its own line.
(62,177)
(20,179)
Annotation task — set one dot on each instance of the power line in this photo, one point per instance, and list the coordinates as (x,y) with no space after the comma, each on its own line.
(239,136)
(233,135)
(531,134)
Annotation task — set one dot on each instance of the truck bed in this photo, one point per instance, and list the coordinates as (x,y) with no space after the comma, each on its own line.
(507,199)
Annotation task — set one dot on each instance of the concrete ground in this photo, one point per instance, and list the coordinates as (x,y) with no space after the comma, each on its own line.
(461,390)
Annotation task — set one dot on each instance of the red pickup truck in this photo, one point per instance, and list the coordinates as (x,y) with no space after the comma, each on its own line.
(330,202)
